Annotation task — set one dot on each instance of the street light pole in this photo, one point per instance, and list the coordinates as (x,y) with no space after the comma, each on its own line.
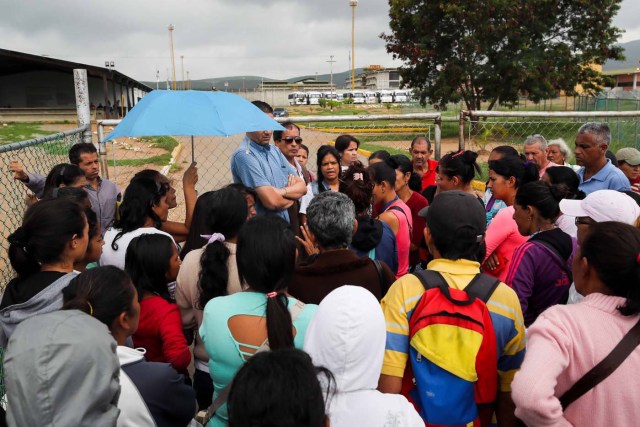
(331,61)
(353,4)
(182,65)
(173,62)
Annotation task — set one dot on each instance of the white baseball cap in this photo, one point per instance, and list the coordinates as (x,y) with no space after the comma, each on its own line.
(603,205)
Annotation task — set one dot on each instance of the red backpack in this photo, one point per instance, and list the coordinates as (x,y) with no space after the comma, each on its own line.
(452,379)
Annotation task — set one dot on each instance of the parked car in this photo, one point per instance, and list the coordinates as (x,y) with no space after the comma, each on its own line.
(280,112)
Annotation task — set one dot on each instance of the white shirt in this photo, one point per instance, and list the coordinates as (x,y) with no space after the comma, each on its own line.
(116,257)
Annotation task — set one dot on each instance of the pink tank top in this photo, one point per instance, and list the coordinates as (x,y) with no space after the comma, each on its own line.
(403,236)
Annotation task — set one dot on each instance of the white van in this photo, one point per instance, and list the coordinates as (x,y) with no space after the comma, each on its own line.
(313,98)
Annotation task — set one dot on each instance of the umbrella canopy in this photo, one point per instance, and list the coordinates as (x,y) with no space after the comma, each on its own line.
(192,113)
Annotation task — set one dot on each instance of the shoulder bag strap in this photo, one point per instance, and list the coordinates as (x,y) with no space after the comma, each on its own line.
(380,272)
(222,398)
(399,209)
(606,367)
(482,287)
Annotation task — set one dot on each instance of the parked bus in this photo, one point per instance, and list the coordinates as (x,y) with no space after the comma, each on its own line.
(370,97)
(385,96)
(297,98)
(313,98)
(358,97)
(332,96)
(401,96)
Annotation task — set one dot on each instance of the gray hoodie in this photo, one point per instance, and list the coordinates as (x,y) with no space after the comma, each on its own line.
(61,369)
(48,300)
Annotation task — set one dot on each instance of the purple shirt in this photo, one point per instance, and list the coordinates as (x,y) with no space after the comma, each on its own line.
(540,276)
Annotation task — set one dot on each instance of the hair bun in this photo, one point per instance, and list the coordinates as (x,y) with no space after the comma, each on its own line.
(469,157)
(18,237)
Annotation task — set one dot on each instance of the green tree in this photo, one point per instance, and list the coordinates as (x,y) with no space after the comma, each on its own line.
(497,50)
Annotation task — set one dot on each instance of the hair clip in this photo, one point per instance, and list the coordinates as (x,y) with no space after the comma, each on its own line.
(459,153)
(272,294)
(358,176)
(215,237)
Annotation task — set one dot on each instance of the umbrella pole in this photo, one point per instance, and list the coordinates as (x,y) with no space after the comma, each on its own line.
(193,151)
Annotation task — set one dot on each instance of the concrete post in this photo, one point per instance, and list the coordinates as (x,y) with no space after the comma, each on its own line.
(82,102)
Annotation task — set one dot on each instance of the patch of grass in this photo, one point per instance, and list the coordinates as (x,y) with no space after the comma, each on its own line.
(166,143)
(15,132)
(160,160)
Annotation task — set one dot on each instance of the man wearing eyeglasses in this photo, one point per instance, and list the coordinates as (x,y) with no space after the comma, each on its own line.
(597,172)
(262,166)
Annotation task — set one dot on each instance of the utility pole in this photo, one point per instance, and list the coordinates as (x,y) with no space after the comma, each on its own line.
(188,81)
(331,61)
(182,62)
(157,79)
(353,4)
(173,62)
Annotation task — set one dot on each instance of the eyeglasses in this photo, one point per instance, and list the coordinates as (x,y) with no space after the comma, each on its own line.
(290,139)
(584,221)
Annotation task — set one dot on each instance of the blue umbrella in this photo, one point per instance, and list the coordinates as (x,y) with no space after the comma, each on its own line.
(192,113)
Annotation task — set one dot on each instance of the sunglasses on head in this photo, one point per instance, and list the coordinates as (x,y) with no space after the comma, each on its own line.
(290,139)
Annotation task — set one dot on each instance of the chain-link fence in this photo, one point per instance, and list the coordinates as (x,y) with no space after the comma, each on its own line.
(123,157)
(483,130)
(36,155)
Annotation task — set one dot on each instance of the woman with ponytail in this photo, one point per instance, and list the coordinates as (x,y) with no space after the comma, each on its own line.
(506,175)
(235,326)
(567,341)
(53,237)
(540,271)
(108,295)
(210,272)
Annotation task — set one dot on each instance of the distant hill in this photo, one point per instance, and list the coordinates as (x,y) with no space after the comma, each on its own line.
(631,52)
(252,82)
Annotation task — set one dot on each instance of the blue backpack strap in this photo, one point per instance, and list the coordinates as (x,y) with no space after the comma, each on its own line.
(482,287)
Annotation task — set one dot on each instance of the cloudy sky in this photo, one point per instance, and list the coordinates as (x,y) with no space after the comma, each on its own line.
(272,38)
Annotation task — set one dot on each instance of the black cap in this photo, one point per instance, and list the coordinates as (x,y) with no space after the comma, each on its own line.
(457,214)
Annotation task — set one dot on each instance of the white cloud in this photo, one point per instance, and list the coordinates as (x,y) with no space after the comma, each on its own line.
(278,39)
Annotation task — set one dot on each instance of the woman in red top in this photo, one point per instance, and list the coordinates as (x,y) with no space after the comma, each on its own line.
(414,201)
(152,261)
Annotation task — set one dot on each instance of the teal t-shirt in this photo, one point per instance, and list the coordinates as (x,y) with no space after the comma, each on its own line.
(225,353)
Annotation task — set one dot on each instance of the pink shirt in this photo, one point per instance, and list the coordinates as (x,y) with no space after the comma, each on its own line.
(503,238)
(544,169)
(403,236)
(565,342)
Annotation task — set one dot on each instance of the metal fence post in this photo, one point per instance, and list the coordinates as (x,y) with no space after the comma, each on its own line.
(461,134)
(438,136)
(102,152)
(82,102)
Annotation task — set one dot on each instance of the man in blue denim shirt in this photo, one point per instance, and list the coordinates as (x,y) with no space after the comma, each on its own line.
(262,166)
(597,172)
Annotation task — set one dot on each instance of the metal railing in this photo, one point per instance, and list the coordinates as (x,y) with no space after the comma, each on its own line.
(481,130)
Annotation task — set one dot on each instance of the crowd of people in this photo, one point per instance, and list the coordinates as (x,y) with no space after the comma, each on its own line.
(389,294)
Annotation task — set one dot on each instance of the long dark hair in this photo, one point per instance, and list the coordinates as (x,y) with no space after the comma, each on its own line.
(612,249)
(147,263)
(198,224)
(63,174)
(102,292)
(266,256)
(226,213)
(46,228)
(567,181)
(141,196)
(358,190)
(279,388)
(323,152)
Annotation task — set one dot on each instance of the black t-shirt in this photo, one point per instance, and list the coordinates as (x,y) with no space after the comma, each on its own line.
(18,292)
